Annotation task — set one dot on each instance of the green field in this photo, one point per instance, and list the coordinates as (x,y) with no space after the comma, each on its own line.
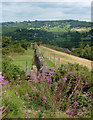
(49,63)
(23,59)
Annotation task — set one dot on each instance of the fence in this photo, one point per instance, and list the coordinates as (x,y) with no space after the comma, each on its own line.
(54,58)
(25,65)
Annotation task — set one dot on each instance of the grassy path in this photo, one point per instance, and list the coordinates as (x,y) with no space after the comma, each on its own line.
(64,57)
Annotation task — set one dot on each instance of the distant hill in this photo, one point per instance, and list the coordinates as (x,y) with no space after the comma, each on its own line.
(38,24)
(52,26)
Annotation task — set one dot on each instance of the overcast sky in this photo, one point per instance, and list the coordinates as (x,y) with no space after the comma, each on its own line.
(23,10)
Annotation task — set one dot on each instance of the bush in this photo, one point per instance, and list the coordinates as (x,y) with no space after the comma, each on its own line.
(11,72)
(67,89)
(25,44)
(12,48)
(74,84)
(18,49)
(6,51)
(85,52)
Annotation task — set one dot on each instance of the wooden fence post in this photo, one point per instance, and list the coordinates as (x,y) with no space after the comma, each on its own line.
(26,66)
(54,59)
(58,61)
(50,56)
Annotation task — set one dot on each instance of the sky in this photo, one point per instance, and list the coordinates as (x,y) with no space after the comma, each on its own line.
(24,10)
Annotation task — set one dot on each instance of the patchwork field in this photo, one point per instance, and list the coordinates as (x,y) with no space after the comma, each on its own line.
(81,29)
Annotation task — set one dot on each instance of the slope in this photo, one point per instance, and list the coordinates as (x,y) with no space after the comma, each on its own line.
(63,58)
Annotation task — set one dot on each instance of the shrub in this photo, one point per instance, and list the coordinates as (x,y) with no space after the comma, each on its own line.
(11,72)
(74,84)
(25,44)
(12,49)
(67,89)
(17,49)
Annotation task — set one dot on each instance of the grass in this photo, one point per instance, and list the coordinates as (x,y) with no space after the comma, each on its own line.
(19,106)
(17,102)
(59,114)
(49,63)
(64,57)
(23,59)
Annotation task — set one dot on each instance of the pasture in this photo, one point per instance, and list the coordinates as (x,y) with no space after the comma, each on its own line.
(63,58)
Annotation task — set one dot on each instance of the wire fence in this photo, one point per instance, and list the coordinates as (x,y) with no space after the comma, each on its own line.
(25,65)
(54,58)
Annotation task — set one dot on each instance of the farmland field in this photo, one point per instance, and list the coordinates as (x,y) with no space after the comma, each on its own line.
(64,57)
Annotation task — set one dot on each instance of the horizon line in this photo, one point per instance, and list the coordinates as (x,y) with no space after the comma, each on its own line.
(46,20)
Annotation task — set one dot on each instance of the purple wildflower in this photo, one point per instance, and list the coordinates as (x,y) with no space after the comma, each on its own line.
(64,79)
(4,91)
(1,77)
(33,76)
(39,75)
(33,87)
(75,103)
(16,93)
(26,94)
(38,111)
(6,82)
(2,82)
(51,74)
(44,98)
(28,117)
(76,93)
(71,112)
(49,80)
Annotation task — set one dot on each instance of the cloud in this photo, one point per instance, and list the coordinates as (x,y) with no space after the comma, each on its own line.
(20,11)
